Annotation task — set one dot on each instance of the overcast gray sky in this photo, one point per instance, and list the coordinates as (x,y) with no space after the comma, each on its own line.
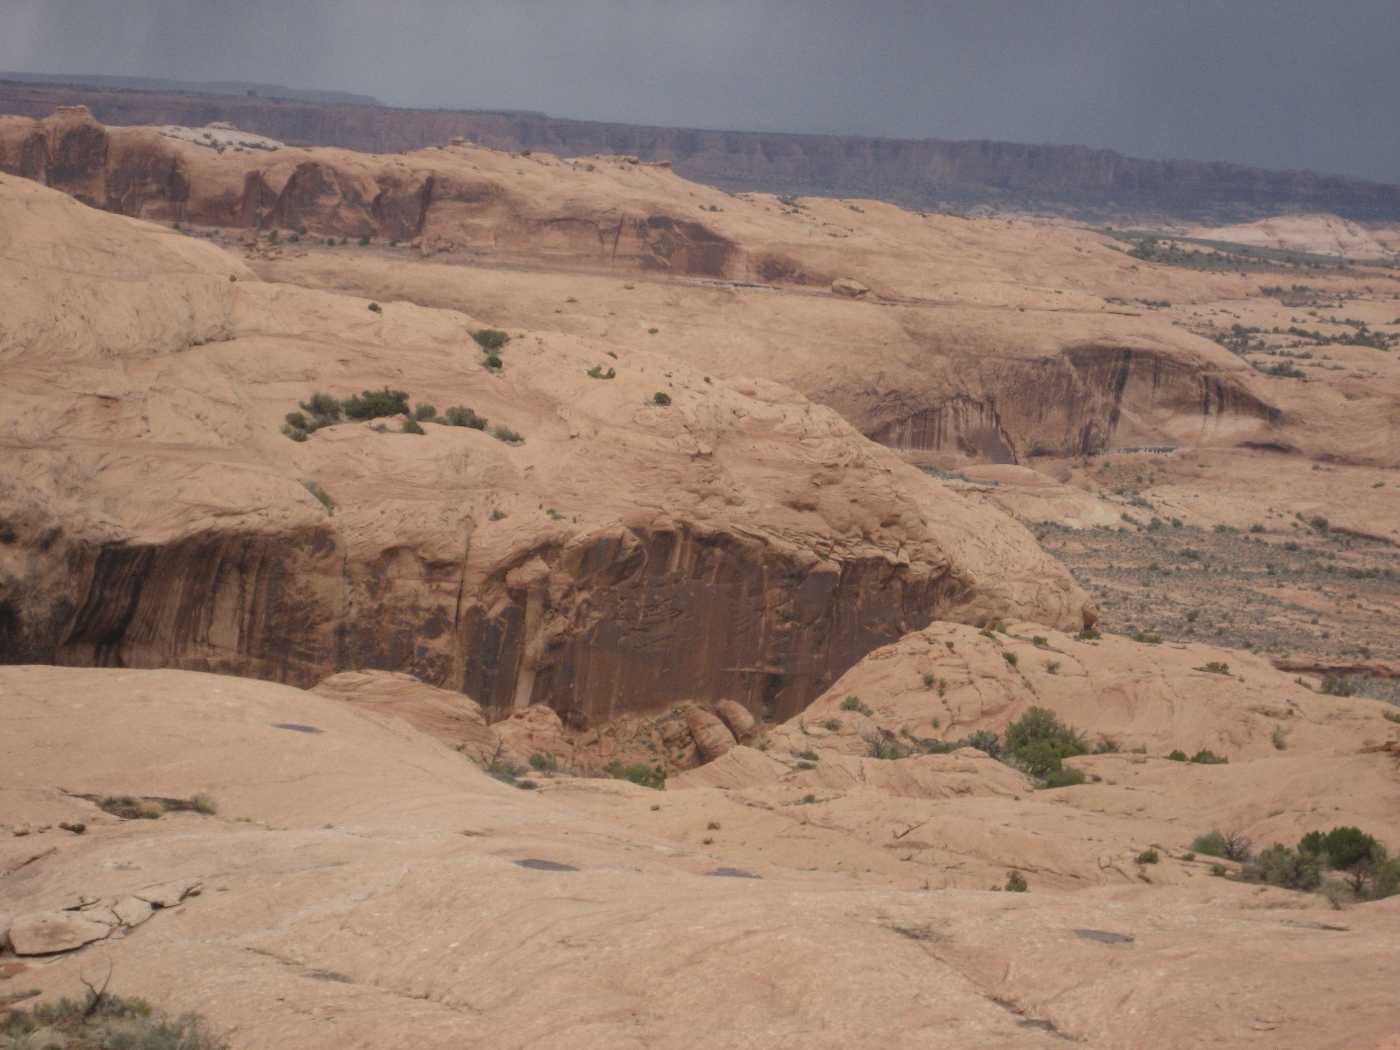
(1276,83)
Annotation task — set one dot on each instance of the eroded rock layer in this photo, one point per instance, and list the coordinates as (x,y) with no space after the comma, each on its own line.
(602,548)
(957,338)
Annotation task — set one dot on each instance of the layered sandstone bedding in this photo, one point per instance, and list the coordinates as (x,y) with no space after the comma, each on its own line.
(738,542)
(361,884)
(955,337)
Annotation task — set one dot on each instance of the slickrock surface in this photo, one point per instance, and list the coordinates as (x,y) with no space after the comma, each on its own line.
(362,885)
(815,797)
(739,543)
(983,337)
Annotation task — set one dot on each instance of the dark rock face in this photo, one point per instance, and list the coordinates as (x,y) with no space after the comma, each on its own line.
(618,625)
(645,614)
(1071,405)
(1072,180)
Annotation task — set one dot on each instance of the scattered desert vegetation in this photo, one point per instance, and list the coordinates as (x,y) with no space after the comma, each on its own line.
(324,410)
(104,1022)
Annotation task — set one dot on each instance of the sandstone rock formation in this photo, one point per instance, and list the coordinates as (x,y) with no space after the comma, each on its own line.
(380,884)
(975,338)
(739,543)
(47,933)
(830,790)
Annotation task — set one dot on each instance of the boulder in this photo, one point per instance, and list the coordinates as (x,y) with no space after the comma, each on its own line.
(132,911)
(737,718)
(47,933)
(847,288)
(536,730)
(712,737)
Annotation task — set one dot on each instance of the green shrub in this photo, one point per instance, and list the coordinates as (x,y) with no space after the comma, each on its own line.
(1319,523)
(1038,741)
(596,372)
(1065,776)
(131,807)
(1391,716)
(1206,757)
(1369,871)
(105,1022)
(501,432)
(1148,856)
(1052,666)
(1015,882)
(928,680)
(493,362)
(661,399)
(883,746)
(1010,658)
(1215,843)
(1215,667)
(425,413)
(314,487)
(1145,637)
(295,420)
(639,773)
(1280,866)
(1280,738)
(412,426)
(983,740)
(1336,685)
(323,408)
(542,763)
(364,241)
(504,770)
(810,756)
(1089,634)
(832,725)
(854,703)
(490,339)
(1107,746)
(375,404)
(462,416)
(1039,641)
(204,802)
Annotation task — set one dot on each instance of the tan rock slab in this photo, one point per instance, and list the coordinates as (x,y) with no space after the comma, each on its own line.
(132,911)
(48,933)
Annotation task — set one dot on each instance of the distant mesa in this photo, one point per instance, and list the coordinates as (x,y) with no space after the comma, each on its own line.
(930,174)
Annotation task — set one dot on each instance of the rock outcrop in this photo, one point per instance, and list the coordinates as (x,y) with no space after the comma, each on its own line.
(603,553)
(381,879)
(943,337)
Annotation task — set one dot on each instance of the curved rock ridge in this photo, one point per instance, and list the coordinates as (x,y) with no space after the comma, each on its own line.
(605,553)
(442,199)
(991,379)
